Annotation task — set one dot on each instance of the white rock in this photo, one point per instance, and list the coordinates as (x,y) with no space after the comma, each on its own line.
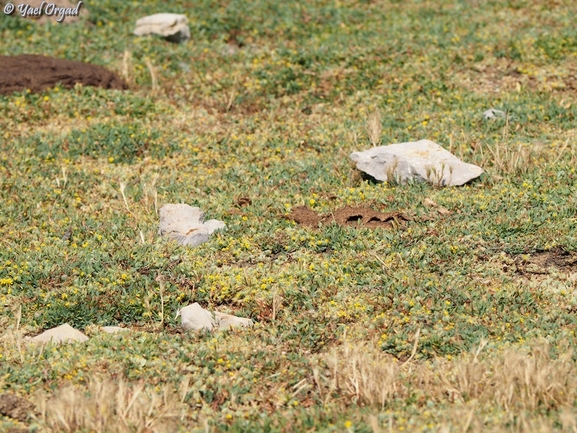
(423,161)
(185,224)
(61,334)
(210,226)
(194,317)
(173,27)
(113,329)
(224,320)
(491,113)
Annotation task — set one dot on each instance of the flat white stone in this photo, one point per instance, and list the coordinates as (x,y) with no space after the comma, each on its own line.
(491,113)
(173,27)
(113,329)
(423,161)
(185,224)
(195,318)
(61,334)
(224,320)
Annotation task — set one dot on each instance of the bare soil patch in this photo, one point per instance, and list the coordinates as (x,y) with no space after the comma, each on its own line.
(35,72)
(540,261)
(348,216)
(15,407)
(557,257)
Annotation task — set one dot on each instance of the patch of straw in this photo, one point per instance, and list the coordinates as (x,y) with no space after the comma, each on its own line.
(152,72)
(375,128)
(111,406)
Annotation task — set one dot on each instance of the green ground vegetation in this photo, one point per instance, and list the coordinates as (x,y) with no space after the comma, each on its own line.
(459,321)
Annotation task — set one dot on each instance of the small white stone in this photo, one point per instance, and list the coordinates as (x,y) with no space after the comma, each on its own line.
(61,334)
(194,317)
(173,27)
(224,320)
(113,329)
(491,113)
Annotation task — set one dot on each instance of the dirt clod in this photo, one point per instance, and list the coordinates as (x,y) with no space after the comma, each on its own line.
(304,216)
(347,216)
(35,72)
(15,407)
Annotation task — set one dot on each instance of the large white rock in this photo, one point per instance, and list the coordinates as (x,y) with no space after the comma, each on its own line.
(423,161)
(195,318)
(61,334)
(173,27)
(185,224)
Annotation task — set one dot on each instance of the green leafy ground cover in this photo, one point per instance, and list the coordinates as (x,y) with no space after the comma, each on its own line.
(266,101)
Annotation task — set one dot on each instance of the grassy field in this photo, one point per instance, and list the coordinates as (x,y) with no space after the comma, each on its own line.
(458,321)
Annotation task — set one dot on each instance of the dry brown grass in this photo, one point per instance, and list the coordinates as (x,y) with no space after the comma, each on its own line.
(127,67)
(153,75)
(495,76)
(515,383)
(107,405)
(507,157)
(375,128)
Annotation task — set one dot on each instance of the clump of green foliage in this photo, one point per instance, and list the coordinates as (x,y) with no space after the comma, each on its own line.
(266,101)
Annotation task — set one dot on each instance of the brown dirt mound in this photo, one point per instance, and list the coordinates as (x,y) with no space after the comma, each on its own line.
(35,72)
(347,216)
(15,407)
(305,216)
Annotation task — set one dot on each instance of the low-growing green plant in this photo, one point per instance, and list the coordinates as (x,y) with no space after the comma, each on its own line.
(456,320)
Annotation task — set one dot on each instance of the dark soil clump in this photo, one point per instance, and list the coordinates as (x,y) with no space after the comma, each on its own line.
(15,407)
(304,216)
(37,73)
(348,216)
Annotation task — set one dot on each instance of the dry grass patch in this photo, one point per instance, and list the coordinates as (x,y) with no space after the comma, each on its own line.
(497,76)
(107,405)
(510,157)
(513,381)
(504,75)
